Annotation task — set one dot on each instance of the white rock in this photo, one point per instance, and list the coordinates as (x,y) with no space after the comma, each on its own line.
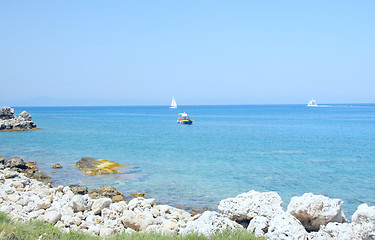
(43,204)
(105,231)
(135,202)
(81,203)
(251,204)
(169,224)
(109,214)
(137,221)
(52,217)
(341,231)
(10,174)
(258,225)
(94,229)
(100,204)
(209,223)
(316,210)
(363,214)
(285,226)
(364,221)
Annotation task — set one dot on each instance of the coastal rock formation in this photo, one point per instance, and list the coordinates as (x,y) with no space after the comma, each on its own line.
(247,206)
(94,166)
(316,210)
(9,122)
(24,199)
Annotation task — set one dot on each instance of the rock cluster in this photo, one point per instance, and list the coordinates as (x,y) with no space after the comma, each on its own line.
(9,122)
(307,217)
(72,207)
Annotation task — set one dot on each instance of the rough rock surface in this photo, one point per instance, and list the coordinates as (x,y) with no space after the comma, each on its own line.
(15,162)
(248,205)
(316,210)
(209,223)
(94,166)
(285,226)
(9,122)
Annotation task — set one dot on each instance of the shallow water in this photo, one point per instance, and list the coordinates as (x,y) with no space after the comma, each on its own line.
(291,149)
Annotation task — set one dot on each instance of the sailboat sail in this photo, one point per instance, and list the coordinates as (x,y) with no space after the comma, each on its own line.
(173,104)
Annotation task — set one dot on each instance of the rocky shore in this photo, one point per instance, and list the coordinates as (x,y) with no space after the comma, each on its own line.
(70,208)
(9,122)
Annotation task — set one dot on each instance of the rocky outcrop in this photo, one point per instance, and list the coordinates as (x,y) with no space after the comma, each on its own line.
(314,211)
(15,162)
(9,122)
(94,166)
(248,205)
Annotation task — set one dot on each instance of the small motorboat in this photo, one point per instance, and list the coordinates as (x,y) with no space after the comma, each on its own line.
(184,119)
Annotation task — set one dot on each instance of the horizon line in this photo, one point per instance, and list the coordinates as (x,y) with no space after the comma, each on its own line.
(254,104)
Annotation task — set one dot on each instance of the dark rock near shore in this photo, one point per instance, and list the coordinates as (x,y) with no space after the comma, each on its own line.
(144,195)
(15,162)
(9,122)
(2,161)
(77,189)
(107,191)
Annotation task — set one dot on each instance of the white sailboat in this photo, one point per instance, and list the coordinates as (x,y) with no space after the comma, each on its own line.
(173,104)
(312,103)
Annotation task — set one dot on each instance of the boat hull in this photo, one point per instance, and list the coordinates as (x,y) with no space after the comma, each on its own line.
(185,122)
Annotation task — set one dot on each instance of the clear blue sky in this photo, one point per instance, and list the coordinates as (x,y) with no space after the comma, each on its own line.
(201,52)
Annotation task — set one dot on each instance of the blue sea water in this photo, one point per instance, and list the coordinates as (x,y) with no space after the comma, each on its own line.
(291,149)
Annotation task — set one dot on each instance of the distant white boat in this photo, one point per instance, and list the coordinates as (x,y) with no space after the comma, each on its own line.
(173,104)
(312,103)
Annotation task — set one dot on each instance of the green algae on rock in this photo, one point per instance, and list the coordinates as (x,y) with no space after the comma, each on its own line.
(94,166)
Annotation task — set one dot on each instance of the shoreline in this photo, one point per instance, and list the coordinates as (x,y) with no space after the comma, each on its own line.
(308,217)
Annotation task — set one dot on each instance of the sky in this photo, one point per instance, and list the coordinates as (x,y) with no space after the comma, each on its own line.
(200,52)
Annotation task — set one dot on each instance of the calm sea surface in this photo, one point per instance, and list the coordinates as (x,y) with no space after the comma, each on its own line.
(291,149)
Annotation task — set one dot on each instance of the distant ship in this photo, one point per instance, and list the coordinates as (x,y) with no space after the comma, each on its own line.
(312,103)
(173,104)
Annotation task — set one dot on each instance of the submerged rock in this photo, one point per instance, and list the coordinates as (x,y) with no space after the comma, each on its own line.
(56,165)
(144,195)
(107,191)
(94,166)
(77,189)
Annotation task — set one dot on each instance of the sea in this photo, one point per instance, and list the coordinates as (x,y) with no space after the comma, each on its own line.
(228,150)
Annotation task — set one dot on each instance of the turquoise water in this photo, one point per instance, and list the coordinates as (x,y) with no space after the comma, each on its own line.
(291,149)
